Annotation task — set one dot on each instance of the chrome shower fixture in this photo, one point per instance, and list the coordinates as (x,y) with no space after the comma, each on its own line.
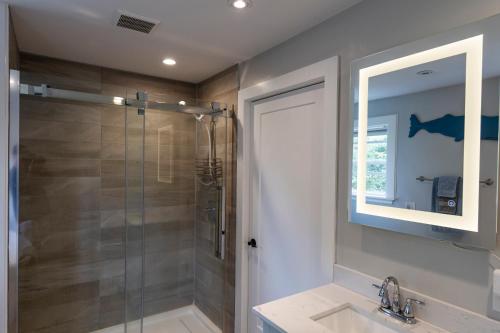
(209,170)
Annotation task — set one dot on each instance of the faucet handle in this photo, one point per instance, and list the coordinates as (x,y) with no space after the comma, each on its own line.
(384,302)
(408,311)
(381,289)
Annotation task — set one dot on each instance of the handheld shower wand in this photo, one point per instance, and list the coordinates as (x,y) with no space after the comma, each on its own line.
(210,174)
(209,170)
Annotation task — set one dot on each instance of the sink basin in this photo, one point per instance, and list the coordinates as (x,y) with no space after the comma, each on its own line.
(348,320)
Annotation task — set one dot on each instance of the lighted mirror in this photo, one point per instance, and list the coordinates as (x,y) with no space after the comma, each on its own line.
(425,136)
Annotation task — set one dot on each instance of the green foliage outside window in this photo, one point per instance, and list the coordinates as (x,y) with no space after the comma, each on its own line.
(376,164)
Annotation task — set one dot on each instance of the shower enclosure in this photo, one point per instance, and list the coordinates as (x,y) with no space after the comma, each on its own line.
(117,210)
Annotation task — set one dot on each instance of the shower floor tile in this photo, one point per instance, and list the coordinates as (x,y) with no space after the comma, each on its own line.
(184,320)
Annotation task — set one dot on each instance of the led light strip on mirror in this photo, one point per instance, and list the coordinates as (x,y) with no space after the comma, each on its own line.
(473,49)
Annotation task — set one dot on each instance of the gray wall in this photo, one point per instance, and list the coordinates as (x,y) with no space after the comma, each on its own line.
(434,268)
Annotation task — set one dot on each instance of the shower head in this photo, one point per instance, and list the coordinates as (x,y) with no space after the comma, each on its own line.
(199,117)
(209,170)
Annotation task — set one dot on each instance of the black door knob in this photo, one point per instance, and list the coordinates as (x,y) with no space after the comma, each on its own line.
(252,243)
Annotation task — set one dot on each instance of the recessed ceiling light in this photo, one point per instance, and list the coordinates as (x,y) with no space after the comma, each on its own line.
(169,61)
(240,4)
(182,103)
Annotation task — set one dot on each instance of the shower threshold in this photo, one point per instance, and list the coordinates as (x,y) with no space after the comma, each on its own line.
(188,319)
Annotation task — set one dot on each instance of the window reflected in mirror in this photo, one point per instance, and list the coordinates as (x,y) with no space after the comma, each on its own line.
(381,157)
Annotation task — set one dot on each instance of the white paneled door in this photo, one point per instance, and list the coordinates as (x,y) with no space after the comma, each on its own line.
(290,219)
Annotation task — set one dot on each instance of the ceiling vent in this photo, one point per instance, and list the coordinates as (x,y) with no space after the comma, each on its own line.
(135,22)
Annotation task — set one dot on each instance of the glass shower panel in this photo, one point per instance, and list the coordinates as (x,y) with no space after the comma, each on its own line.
(169,192)
(71,264)
(134,218)
(122,215)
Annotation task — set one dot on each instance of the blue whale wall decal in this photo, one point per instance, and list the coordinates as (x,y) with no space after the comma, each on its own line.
(453,126)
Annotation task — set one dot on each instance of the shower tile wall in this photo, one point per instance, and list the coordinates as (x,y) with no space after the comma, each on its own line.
(215,279)
(72,202)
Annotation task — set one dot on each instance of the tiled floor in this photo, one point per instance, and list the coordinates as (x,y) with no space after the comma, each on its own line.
(184,320)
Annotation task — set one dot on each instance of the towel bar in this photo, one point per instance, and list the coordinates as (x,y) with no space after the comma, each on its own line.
(487,182)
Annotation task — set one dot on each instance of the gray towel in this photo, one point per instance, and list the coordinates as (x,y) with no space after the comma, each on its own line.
(449,201)
(447,186)
(446,195)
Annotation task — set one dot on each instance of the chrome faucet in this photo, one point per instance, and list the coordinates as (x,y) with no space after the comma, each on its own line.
(396,301)
(393,308)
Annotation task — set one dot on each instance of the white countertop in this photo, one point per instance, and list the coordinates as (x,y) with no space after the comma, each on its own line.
(294,314)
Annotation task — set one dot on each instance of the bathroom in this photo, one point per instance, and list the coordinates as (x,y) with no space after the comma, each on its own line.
(193,166)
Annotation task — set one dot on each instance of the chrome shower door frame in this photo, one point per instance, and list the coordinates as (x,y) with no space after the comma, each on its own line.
(13,195)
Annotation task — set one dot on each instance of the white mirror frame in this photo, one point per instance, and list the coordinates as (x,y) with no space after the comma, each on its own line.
(469,220)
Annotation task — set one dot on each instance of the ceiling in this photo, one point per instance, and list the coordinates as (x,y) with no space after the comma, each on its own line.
(204,36)
(445,72)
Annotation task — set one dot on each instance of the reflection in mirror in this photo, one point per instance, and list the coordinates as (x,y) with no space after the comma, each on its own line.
(419,111)
(428,100)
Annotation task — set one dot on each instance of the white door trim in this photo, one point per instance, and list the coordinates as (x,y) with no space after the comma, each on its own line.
(324,71)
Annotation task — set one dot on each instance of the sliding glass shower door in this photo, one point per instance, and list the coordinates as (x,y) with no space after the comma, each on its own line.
(121,212)
(79,202)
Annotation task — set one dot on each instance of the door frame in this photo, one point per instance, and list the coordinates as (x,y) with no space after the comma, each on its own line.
(325,71)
